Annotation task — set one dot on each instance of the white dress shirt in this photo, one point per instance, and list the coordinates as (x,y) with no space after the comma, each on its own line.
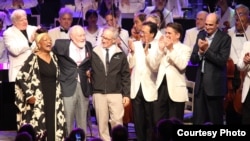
(77,54)
(237,43)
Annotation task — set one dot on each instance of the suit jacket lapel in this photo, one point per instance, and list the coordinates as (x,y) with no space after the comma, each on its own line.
(87,54)
(19,33)
(215,39)
(65,51)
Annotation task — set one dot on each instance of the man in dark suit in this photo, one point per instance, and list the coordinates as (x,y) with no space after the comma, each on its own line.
(211,52)
(74,63)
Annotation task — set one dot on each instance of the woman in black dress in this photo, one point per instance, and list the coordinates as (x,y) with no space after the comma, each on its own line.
(38,93)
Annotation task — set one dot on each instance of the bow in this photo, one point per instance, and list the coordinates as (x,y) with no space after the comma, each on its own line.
(239,35)
(63,30)
(144,45)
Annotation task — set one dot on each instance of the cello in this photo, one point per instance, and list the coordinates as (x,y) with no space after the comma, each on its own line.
(234,86)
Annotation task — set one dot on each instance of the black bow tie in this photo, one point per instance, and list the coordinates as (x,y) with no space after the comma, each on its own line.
(63,30)
(144,45)
(239,35)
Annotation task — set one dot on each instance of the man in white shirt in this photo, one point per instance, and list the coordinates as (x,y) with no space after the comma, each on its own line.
(65,20)
(191,34)
(143,79)
(240,32)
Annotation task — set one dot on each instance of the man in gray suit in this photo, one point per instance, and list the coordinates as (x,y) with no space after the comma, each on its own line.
(74,63)
(211,52)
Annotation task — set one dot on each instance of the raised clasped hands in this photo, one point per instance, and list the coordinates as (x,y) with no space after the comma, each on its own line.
(165,42)
(246,58)
(31,100)
(203,45)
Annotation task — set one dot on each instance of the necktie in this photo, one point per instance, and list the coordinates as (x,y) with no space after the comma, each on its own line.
(63,30)
(107,60)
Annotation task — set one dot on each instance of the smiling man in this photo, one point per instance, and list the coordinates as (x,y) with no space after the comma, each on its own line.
(211,53)
(111,82)
(74,62)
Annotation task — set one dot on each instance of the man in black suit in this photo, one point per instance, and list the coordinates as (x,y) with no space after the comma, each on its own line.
(211,52)
(74,63)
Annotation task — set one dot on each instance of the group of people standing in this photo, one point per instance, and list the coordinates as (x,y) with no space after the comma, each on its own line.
(56,71)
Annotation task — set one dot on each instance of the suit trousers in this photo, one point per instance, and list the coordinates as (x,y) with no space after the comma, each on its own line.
(165,107)
(246,110)
(208,108)
(109,109)
(143,117)
(76,107)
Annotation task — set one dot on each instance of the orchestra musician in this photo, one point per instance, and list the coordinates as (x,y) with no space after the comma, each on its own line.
(225,13)
(239,33)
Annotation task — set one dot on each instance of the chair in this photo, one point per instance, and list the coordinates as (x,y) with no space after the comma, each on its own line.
(188,112)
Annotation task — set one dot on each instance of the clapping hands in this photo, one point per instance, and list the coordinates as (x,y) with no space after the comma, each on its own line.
(203,46)
(165,42)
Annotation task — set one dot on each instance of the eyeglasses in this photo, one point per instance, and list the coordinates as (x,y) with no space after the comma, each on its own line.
(240,14)
(105,38)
